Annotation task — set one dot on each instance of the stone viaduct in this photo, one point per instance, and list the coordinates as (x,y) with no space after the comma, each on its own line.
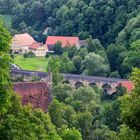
(107,84)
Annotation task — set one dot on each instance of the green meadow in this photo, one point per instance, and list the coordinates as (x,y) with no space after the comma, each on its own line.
(35,64)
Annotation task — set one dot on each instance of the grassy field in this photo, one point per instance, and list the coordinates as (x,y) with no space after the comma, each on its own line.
(36,64)
(7,19)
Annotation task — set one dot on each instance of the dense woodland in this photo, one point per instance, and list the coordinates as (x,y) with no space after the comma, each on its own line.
(115,23)
(112,31)
(74,114)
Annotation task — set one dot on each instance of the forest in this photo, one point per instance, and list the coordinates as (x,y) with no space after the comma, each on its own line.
(112,27)
(112,31)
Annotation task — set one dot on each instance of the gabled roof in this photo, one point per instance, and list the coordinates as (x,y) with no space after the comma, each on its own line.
(35,45)
(128,85)
(23,40)
(66,41)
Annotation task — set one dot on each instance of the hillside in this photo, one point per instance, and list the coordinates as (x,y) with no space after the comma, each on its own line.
(114,23)
(76,108)
(7,19)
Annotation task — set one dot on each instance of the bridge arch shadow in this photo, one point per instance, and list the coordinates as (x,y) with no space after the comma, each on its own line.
(92,84)
(66,82)
(107,88)
(78,84)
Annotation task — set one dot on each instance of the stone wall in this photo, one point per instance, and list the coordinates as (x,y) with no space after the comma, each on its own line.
(30,76)
(38,94)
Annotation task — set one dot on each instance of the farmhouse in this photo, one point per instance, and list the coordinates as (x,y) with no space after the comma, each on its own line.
(66,41)
(21,42)
(39,49)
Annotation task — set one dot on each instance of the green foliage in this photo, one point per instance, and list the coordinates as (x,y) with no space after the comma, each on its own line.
(7,19)
(112,116)
(127,134)
(77,61)
(115,74)
(124,54)
(100,19)
(94,45)
(30,54)
(70,134)
(5,39)
(112,24)
(54,67)
(58,48)
(83,35)
(84,98)
(77,108)
(116,24)
(28,124)
(83,121)
(95,65)
(55,111)
(19,122)
(115,56)
(131,60)
(66,65)
(82,52)
(104,133)
(130,104)
(72,51)
(62,91)
(7,6)
(5,84)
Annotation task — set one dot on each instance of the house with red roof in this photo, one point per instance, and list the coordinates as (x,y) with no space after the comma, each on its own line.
(66,41)
(21,42)
(39,49)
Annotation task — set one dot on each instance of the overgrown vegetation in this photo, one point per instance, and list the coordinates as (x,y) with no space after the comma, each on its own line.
(75,114)
(19,122)
(114,23)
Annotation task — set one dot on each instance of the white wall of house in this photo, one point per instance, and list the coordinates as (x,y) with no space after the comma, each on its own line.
(41,51)
(24,49)
(19,49)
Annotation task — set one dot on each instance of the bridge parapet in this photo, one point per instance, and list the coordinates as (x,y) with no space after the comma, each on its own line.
(30,76)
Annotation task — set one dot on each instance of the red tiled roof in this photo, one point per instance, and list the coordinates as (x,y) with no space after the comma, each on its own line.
(66,41)
(35,45)
(23,39)
(128,85)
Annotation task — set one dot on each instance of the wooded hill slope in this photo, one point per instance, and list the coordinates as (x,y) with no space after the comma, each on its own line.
(114,22)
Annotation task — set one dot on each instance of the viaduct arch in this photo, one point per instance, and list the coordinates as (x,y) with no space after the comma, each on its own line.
(108,84)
